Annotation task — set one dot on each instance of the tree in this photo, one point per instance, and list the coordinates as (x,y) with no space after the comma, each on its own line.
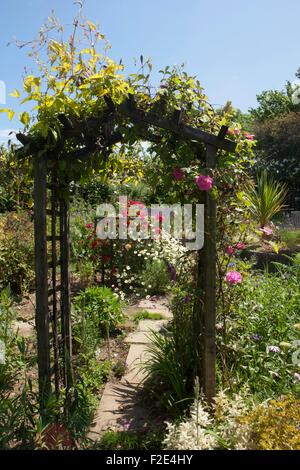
(273,103)
(276,125)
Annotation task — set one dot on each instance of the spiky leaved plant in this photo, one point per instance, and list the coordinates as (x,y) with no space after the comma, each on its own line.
(266,198)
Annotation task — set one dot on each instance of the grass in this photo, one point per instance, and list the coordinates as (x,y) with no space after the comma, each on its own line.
(144,315)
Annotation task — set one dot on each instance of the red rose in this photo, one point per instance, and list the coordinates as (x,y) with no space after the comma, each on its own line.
(106,258)
(95,244)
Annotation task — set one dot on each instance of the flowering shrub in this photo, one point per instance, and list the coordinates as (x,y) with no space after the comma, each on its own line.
(141,256)
(275,425)
(193,433)
(223,429)
(127,265)
(237,423)
(258,338)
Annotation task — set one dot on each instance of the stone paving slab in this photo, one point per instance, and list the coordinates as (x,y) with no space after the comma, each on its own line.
(138,337)
(120,407)
(136,355)
(150,325)
(119,410)
(134,376)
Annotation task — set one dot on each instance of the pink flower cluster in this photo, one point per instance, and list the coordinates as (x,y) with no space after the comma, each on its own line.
(266,230)
(233,277)
(204,182)
(236,131)
(230,250)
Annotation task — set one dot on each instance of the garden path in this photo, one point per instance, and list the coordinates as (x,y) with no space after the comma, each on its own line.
(121,407)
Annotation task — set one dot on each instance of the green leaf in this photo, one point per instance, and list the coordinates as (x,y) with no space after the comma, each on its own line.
(9,112)
(91,25)
(24,118)
(15,94)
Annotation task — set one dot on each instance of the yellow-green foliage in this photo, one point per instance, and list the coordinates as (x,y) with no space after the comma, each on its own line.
(276,426)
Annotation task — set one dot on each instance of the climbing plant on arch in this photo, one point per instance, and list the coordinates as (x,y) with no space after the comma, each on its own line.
(87,118)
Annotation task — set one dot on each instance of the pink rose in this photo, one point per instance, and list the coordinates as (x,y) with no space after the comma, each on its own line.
(249,136)
(230,250)
(233,277)
(178,174)
(240,246)
(204,183)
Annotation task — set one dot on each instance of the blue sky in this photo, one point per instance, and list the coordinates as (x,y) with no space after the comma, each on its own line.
(236,48)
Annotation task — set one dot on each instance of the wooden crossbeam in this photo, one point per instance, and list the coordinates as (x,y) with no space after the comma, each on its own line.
(182,130)
(53,238)
(128,108)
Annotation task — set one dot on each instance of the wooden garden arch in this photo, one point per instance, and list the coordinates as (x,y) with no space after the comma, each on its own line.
(51,211)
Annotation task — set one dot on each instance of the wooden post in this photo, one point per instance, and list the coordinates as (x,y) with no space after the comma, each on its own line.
(207,276)
(65,292)
(41,270)
(54,281)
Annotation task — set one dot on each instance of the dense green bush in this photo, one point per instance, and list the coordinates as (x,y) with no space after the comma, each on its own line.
(7,339)
(155,277)
(16,251)
(16,185)
(18,398)
(97,312)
